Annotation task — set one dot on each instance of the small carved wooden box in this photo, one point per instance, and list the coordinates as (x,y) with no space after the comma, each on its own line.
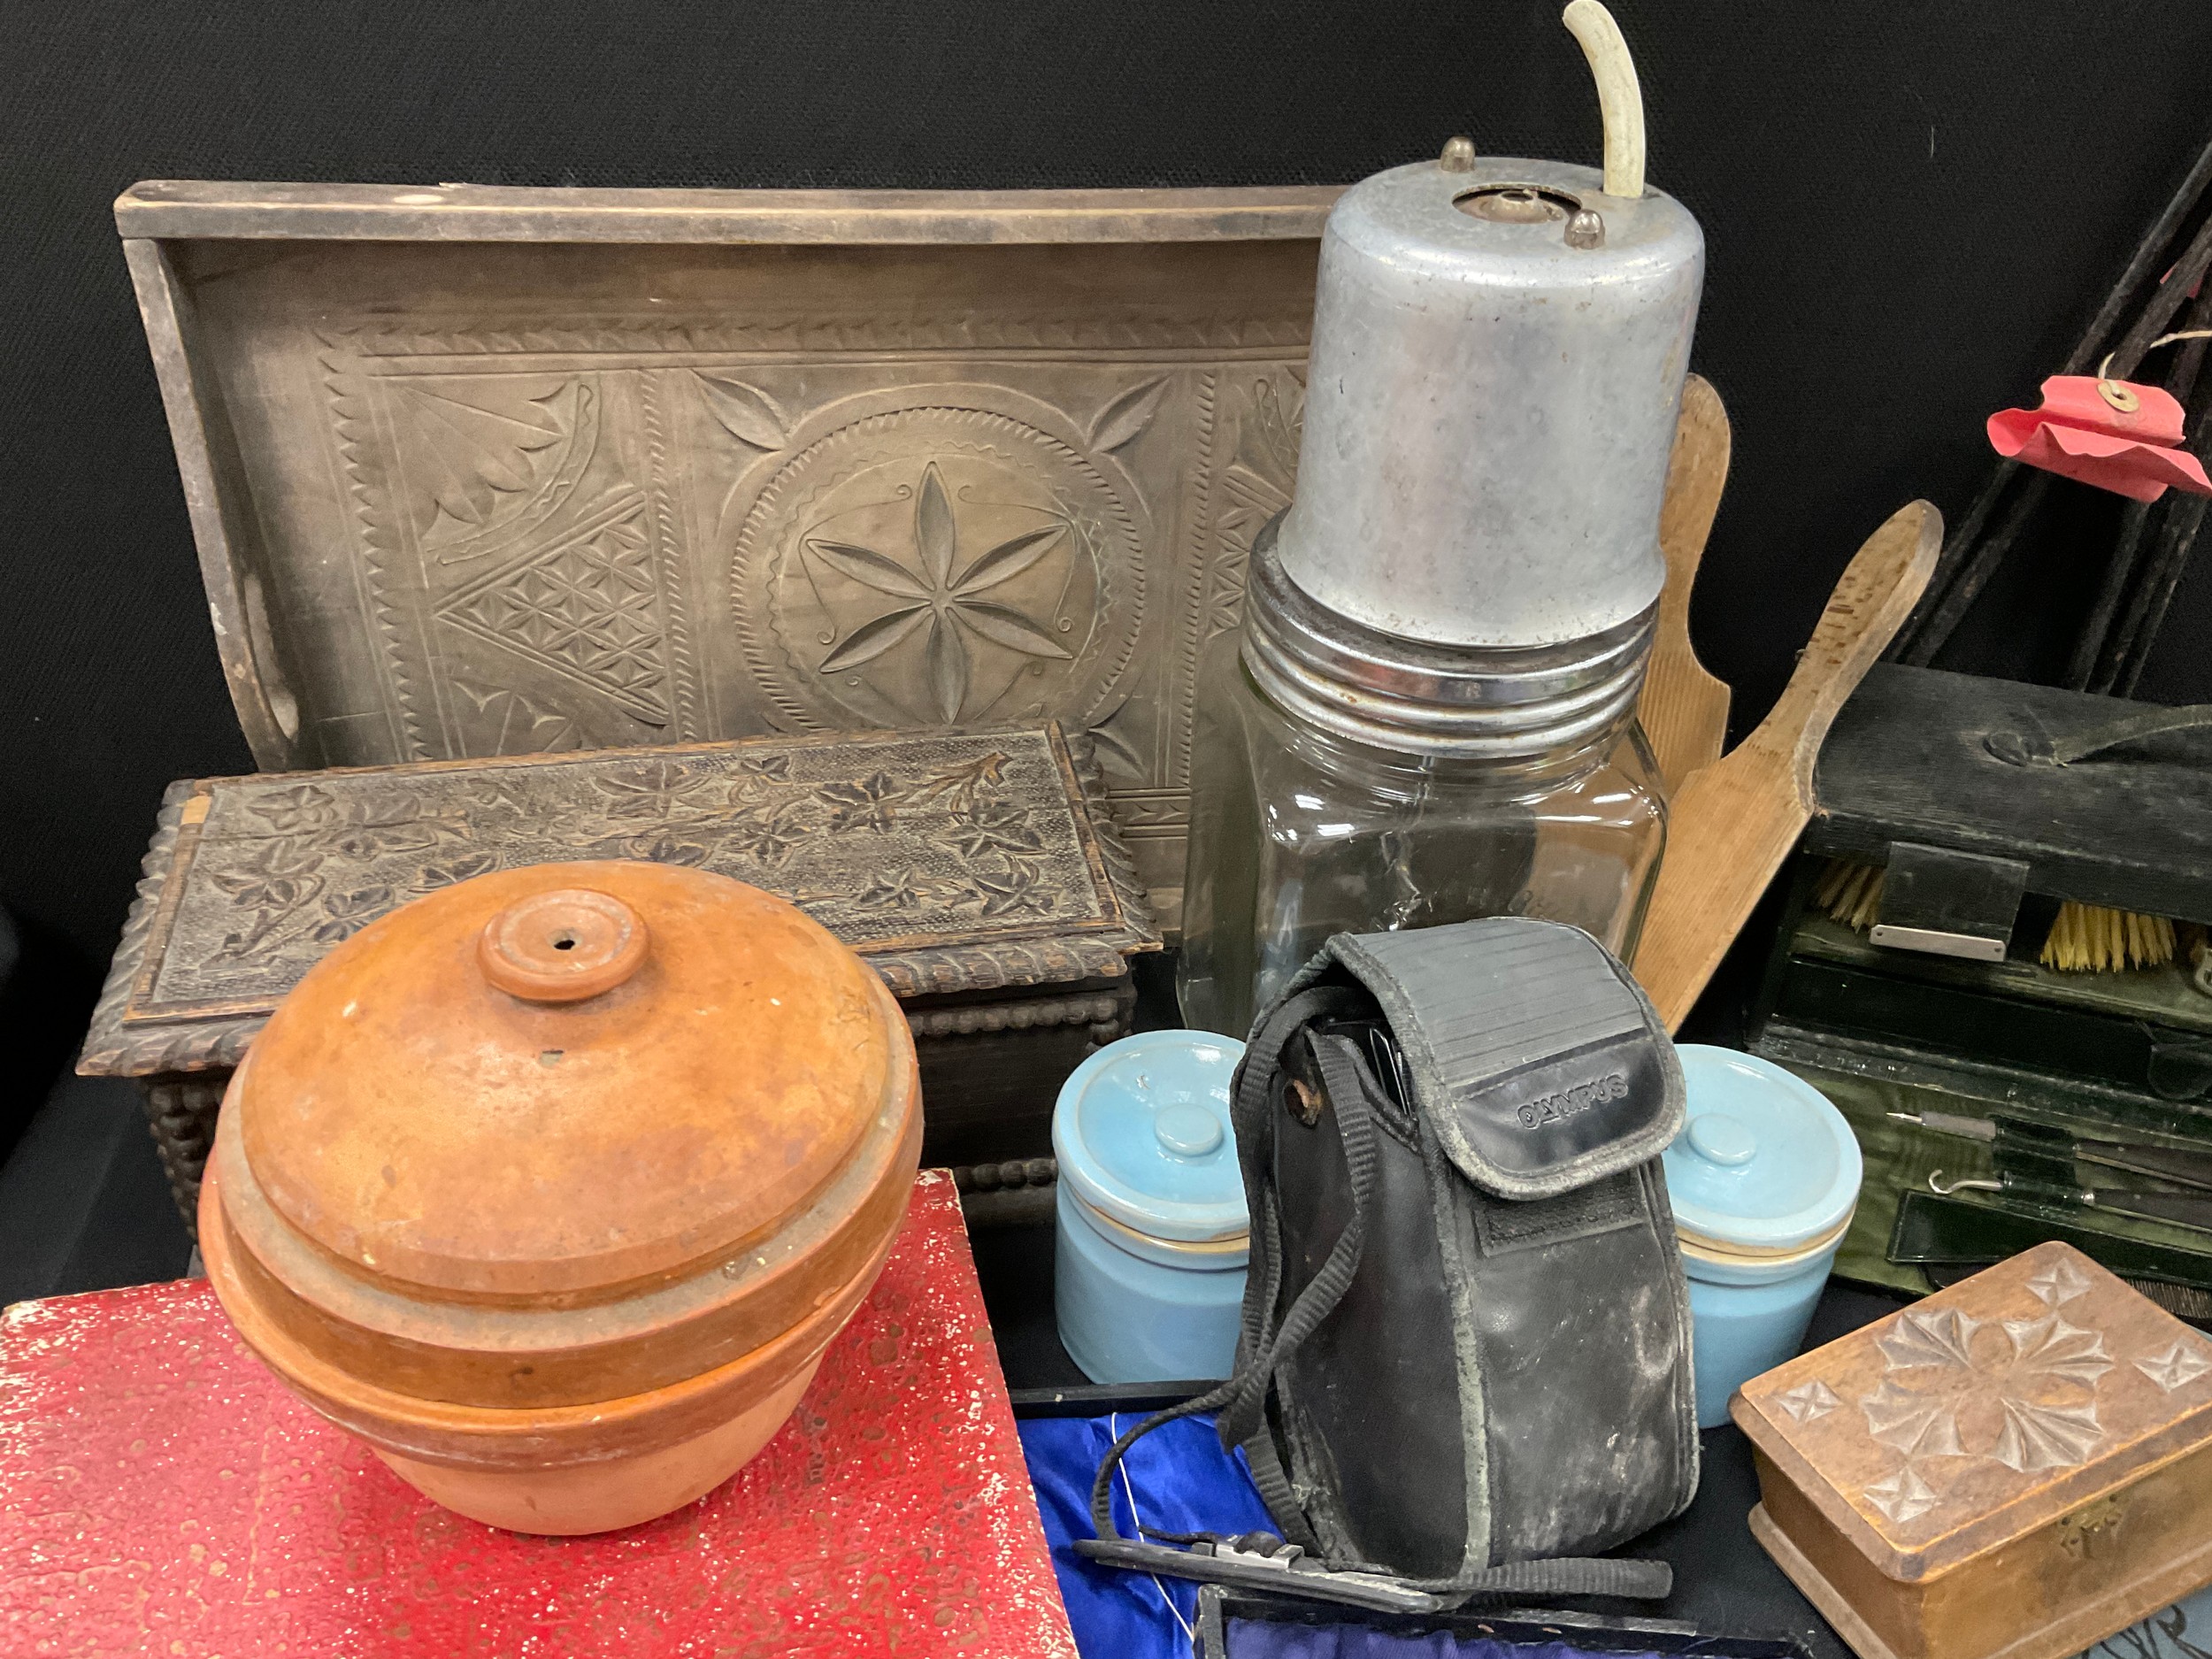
(981,874)
(2014,1469)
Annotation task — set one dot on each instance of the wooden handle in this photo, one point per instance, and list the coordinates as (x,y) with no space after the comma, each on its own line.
(1620,97)
(1877,592)
(1683,708)
(1730,827)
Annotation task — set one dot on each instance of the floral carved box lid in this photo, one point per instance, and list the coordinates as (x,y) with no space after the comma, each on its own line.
(953,863)
(1999,1405)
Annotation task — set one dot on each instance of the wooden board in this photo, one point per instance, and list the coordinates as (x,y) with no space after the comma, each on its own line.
(161,1495)
(1683,708)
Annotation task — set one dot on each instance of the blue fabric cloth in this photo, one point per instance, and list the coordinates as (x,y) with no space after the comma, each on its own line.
(1183,1482)
(1258,1639)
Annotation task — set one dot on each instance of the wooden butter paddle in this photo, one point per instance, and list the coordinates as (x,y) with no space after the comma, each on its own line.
(1684,709)
(1732,824)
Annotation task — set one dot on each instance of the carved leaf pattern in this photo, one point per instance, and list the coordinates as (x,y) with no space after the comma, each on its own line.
(518,727)
(871,640)
(347,914)
(869,568)
(466,868)
(1917,1424)
(2053,1349)
(2059,1283)
(1003,626)
(900,892)
(477,452)
(948,668)
(1903,1497)
(1015,890)
(746,412)
(2037,1437)
(664,848)
(1010,558)
(995,827)
(935,534)
(1807,1402)
(2178,1366)
(1918,1337)
(304,806)
(864,805)
(1120,755)
(958,786)
(1128,415)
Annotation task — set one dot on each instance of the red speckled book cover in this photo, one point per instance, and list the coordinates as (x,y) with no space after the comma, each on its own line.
(161,1495)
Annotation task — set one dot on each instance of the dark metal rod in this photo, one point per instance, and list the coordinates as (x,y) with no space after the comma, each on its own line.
(2141,265)
(2104,652)
(2182,524)
(2119,571)
(1909,645)
(1978,569)
(1959,574)
(2165,300)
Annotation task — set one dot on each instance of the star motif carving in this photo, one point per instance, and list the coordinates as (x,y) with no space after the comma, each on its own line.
(2059,1283)
(1807,1401)
(934,592)
(2178,1366)
(1903,1497)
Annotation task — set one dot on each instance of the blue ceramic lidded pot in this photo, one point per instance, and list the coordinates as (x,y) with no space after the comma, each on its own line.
(1764,1178)
(1149,1280)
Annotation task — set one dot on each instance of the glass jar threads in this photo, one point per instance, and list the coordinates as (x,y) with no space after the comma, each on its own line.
(1396,797)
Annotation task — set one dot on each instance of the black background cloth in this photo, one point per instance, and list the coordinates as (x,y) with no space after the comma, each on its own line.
(1911,209)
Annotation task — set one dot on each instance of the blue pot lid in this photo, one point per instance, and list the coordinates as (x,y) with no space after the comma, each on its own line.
(1141,1133)
(1763,1161)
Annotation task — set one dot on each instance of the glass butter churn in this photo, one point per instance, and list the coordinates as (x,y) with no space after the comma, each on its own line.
(1430,711)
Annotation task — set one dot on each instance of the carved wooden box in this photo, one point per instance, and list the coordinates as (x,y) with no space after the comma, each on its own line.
(2016,1467)
(981,874)
(479,472)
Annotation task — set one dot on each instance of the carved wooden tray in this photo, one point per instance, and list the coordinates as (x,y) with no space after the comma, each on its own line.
(482,471)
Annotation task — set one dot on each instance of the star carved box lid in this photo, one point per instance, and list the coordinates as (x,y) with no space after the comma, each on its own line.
(1987,1410)
(956,865)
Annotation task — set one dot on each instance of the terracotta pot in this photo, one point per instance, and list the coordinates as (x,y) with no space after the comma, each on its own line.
(553,1185)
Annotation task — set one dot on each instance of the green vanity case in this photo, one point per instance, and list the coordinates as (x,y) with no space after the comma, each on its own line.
(2083,1099)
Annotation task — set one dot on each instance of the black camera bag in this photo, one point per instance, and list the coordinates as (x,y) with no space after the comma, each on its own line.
(1465,1355)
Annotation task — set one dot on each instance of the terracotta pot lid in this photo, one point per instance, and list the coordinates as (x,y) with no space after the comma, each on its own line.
(562,1079)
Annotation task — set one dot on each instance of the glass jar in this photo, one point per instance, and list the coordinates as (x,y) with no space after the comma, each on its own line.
(1338,796)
